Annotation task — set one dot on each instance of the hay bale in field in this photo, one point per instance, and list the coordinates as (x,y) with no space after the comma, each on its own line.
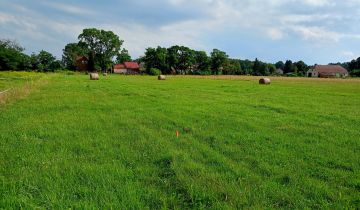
(94,76)
(105,74)
(161,77)
(264,81)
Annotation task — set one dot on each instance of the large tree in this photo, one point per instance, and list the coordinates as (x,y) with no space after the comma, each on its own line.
(272,68)
(257,67)
(354,64)
(12,56)
(301,67)
(102,46)
(247,66)
(218,60)
(180,58)
(232,67)
(156,58)
(280,65)
(202,63)
(289,67)
(70,53)
(46,61)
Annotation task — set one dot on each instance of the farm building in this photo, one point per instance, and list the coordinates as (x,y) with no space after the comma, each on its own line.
(327,71)
(82,63)
(127,68)
(279,72)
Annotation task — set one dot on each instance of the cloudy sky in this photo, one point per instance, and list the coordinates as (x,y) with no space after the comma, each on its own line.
(316,31)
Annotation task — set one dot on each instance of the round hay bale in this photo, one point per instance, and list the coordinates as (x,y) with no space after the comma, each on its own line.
(264,81)
(161,77)
(105,74)
(94,76)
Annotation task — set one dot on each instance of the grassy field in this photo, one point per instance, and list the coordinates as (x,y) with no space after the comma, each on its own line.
(76,143)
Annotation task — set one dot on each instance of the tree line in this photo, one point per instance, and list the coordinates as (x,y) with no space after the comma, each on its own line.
(12,57)
(183,60)
(103,49)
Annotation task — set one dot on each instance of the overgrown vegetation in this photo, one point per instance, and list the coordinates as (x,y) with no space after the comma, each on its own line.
(18,85)
(112,143)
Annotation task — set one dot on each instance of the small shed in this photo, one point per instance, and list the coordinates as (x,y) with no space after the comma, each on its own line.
(127,68)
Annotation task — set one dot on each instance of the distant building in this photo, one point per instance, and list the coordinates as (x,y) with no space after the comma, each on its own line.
(142,67)
(327,71)
(127,68)
(82,63)
(279,72)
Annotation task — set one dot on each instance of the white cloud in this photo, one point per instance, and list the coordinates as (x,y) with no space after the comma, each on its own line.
(318,3)
(275,33)
(5,18)
(347,54)
(306,21)
(68,8)
(317,34)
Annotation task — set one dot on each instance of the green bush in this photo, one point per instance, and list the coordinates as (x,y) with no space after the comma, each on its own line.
(355,73)
(205,72)
(154,71)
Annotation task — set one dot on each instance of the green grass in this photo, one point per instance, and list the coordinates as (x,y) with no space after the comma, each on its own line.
(112,143)
(14,79)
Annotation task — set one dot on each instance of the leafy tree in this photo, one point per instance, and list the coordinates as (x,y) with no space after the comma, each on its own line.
(70,53)
(11,56)
(154,71)
(295,70)
(272,68)
(24,63)
(355,72)
(301,67)
(289,67)
(247,66)
(11,44)
(46,61)
(102,46)
(180,58)
(56,65)
(202,62)
(257,67)
(264,69)
(123,56)
(232,67)
(280,65)
(218,60)
(156,58)
(354,64)
(34,62)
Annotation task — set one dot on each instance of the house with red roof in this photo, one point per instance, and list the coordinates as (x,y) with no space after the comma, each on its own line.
(126,68)
(82,63)
(327,71)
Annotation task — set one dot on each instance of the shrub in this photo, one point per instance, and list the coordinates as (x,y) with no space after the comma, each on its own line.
(355,73)
(205,72)
(154,72)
